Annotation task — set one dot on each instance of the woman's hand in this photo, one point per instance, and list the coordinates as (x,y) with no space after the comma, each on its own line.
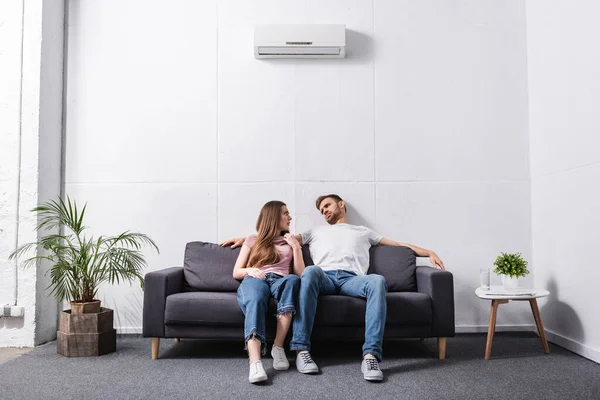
(255,273)
(292,241)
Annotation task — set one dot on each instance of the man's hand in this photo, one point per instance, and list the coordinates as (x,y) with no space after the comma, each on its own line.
(235,242)
(255,273)
(435,261)
(292,241)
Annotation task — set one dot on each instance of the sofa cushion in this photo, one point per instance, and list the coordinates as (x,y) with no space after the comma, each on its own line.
(402,308)
(306,256)
(207,308)
(221,308)
(203,308)
(209,267)
(397,265)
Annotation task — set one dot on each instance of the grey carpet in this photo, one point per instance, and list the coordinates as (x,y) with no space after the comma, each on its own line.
(191,369)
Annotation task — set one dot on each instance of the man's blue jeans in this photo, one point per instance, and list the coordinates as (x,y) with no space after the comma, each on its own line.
(317,282)
(253,297)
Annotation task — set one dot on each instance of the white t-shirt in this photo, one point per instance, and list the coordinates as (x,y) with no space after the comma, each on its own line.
(341,246)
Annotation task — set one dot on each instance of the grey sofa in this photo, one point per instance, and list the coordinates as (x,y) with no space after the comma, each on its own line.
(199,301)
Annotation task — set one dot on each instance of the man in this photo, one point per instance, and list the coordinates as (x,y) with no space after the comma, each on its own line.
(340,252)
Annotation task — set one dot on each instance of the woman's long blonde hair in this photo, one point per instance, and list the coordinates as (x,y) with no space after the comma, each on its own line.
(263,251)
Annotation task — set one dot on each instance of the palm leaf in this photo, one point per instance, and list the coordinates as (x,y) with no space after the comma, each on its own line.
(132,240)
(79,264)
(122,264)
(64,282)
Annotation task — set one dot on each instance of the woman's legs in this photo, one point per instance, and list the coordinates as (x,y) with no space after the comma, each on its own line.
(285,291)
(284,321)
(253,298)
(253,345)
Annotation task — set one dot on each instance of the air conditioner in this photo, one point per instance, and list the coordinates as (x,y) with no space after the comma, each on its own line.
(299,41)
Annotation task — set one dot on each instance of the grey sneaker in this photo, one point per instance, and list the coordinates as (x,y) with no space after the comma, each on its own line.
(370,369)
(280,361)
(257,372)
(305,363)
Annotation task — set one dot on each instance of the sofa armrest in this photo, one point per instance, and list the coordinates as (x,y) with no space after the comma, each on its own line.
(157,286)
(439,285)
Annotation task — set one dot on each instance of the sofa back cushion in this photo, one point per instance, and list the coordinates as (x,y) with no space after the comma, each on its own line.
(398,266)
(306,256)
(209,267)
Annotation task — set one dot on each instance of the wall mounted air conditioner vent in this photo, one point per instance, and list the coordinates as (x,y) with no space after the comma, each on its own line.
(300,41)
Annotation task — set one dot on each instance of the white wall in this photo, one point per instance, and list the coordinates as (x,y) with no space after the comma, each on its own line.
(13,331)
(30,154)
(10,89)
(175,130)
(564,98)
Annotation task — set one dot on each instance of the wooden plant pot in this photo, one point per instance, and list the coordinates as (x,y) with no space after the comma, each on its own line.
(84,308)
(83,335)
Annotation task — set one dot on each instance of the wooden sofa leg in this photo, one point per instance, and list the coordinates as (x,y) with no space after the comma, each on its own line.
(442,348)
(155,346)
(176,340)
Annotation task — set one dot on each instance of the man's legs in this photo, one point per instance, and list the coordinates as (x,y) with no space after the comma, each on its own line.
(370,287)
(313,283)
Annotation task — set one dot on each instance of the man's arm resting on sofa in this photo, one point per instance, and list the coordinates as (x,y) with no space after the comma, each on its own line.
(157,286)
(439,285)
(420,252)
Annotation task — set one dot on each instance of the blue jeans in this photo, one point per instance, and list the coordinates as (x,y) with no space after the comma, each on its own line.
(317,282)
(253,296)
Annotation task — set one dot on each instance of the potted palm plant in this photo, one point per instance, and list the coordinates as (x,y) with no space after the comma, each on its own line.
(510,267)
(79,265)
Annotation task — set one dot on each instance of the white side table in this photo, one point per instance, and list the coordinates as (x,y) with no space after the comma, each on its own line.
(498,299)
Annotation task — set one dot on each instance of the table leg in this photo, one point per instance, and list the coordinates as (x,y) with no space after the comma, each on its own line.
(538,322)
(492,327)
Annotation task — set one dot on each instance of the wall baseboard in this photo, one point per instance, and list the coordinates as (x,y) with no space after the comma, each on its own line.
(574,346)
(459,329)
(129,330)
(499,328)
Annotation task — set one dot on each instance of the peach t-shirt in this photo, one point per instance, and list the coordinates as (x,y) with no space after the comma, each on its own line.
(285,256)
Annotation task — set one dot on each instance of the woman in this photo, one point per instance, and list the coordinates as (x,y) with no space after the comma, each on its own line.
(264,264)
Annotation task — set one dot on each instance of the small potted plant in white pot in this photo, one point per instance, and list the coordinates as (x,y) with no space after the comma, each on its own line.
(510,267)
(79,264)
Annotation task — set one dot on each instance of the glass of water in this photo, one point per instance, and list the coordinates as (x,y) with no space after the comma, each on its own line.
(485,277)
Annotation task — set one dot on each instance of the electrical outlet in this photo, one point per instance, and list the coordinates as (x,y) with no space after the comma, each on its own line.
(11,311)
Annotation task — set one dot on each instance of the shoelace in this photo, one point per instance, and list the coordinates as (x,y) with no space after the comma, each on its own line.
(372,364)
(306,358)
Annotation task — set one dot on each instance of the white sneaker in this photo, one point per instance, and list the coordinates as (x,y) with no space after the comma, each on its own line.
(257,372)
(370,369)
(305,363)
(280,361)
